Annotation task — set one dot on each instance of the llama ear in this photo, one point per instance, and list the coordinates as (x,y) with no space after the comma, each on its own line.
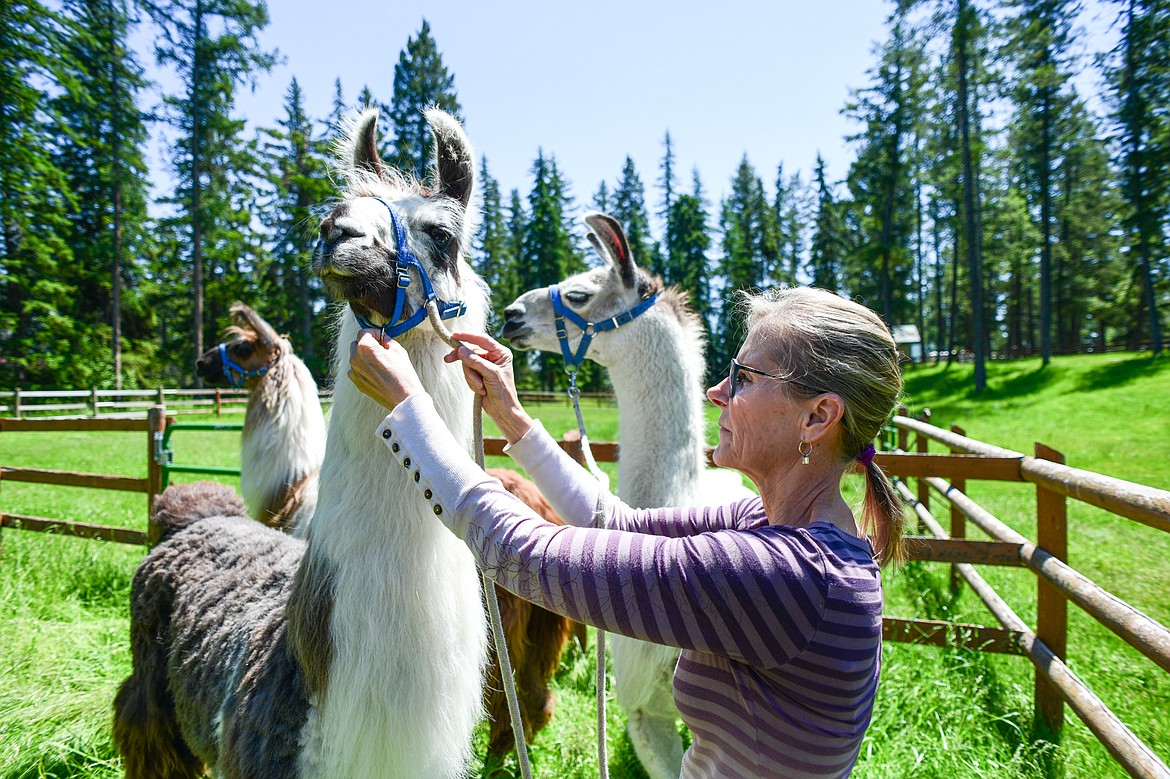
(454,159)
(609,240)
(364,140)
(244,317)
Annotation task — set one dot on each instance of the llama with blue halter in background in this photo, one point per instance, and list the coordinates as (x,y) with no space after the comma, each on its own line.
(652,344)
(283,442)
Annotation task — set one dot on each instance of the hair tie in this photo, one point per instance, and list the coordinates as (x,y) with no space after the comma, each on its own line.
(866,456)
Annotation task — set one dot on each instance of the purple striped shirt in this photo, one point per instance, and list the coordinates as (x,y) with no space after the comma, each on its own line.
(780,627)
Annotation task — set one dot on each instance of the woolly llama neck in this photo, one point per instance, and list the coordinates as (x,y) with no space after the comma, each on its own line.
(412,692)
(657,375)
(283,442)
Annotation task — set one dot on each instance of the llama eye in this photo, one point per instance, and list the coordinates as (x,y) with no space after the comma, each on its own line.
(577,298)
(441,237)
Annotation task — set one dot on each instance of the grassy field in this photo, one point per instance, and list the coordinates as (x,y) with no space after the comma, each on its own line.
(64,624)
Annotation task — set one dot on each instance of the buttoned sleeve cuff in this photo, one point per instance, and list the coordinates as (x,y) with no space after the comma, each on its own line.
(570,489)
(441,467)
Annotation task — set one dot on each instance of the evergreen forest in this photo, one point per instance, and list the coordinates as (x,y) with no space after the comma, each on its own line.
(988,203)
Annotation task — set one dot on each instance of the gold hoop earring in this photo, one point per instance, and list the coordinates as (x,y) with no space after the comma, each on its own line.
(803,454)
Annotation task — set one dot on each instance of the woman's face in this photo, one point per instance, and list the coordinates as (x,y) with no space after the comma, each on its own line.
(759,428)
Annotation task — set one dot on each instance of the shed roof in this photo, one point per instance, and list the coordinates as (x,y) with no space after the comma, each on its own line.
(906,334)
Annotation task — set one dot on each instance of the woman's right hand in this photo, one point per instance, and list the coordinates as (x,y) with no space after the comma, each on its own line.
(487,367)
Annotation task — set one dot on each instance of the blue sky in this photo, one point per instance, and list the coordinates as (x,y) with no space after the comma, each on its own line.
(593,82)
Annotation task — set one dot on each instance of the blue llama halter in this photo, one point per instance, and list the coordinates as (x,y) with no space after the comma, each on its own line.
(236,374)
(406,260)
(588,329)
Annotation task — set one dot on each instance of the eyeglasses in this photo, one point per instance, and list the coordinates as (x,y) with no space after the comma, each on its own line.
(733,379)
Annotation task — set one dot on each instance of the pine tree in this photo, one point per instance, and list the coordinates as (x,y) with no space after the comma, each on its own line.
(101,153)
(966,30)
(35,328)
(549,252)
(1041,36)
(517,238)
(789,208)
(824,260)
(494,260)
(338,110)
(601,199)
(666,179)
(667,186)
(748,253)
(1087,262)
(941,174)
(690,239)
(879,180)
(421,80)
(297,171)
(212,45)
(629,208)
(1140,79)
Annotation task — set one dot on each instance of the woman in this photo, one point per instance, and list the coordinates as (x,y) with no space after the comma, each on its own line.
(776,601)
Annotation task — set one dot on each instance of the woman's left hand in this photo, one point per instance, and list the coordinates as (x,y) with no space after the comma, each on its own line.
(380,367)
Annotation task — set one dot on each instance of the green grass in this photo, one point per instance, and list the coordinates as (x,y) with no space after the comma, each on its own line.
(64,623)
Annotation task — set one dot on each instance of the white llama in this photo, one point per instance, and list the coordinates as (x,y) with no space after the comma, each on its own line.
(282,449)
(657,367)
(283,442)
(360,652)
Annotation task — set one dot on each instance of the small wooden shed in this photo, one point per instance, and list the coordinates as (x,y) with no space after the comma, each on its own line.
(909,341)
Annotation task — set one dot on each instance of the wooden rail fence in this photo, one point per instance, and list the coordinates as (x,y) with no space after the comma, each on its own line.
(95,403)
(943,474)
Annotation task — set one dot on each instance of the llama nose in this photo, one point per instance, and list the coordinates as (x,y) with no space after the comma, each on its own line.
(333,230)
(513,321)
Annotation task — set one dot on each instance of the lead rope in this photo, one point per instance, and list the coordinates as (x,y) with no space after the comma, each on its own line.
(489,587)
(591,464)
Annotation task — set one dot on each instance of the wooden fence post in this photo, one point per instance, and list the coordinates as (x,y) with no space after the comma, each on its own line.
(903,434)
(93,400)
(156,425)
(161,400)
(958,518)
(575,450)
(16,403)
(920,446)
(218,403)
(1051,605)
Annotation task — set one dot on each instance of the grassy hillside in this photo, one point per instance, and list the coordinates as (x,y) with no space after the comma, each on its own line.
(1106,413)
(64,624)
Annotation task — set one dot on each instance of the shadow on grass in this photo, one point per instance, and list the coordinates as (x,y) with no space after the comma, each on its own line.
(1122,372)
(935,384)
(1021,384)
(1005,381)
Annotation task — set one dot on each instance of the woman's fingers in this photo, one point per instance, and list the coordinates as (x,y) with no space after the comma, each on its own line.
(474,380)
(482,340)
(491,349)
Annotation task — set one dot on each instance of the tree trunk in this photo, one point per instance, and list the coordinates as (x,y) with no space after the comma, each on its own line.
(1045,225)
(1136,118)
(953,315)
(970,196)
(938,281)
(116,273)
(197,186)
